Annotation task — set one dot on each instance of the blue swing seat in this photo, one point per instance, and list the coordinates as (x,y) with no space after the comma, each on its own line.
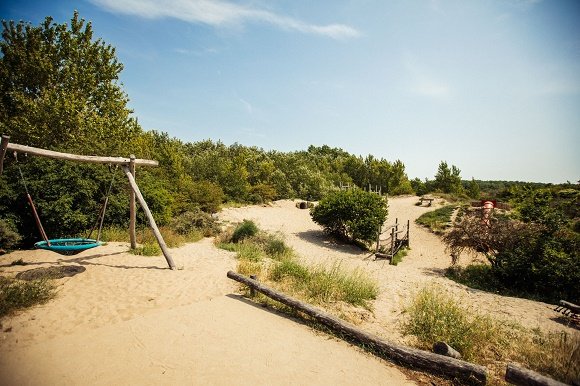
(68,246)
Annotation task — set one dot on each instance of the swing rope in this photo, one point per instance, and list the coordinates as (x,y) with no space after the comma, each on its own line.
(103,209)
(68,246)
(29,197)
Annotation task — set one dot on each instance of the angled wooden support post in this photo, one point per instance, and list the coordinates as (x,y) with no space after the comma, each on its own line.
(132,208)
(152,223)
(3,147)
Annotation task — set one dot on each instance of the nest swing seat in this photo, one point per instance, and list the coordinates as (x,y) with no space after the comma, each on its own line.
(67,247)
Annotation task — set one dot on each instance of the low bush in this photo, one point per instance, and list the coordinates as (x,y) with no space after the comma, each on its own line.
(351,214)
(195,221)
(244,230)
(437,220)
(17,294)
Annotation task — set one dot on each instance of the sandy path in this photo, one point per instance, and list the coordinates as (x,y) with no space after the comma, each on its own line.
(129,320)
(422,266)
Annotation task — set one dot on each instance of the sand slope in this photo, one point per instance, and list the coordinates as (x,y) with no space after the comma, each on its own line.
(129,320)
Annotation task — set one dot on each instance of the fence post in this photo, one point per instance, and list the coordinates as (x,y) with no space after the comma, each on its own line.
(408,224)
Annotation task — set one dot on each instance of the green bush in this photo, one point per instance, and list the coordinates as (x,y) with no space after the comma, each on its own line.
(351,214)
(244,230)
(8,236)
(195,220)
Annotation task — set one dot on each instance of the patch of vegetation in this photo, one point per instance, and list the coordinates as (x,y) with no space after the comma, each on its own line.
(269,257)
(244,230)
(17,294)
(8,235)
(435,316)
(437,220)
(351,214)
(399,256)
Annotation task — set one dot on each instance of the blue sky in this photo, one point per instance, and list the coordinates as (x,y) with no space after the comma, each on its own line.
(492,87)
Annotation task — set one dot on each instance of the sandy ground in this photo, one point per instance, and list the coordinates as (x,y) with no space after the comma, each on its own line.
(129,320)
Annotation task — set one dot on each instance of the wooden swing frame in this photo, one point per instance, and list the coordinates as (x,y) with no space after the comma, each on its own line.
(128,165)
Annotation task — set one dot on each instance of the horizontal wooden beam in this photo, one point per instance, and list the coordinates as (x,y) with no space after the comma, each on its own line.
(78,158)
(454,368)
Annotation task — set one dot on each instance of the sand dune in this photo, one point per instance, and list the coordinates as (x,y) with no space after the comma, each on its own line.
(129,320)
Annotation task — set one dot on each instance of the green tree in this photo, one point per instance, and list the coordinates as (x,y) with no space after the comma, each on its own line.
(473,189)
(352,214)
(448,180)
(59,88)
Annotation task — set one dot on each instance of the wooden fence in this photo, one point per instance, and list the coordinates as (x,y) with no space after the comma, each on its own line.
(390,239)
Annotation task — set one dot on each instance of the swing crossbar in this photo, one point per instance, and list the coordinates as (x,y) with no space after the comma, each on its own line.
(79,158)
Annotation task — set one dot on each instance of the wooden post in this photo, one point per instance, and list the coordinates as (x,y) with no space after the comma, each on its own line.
(132,207)
(3,147)
(454,368)
(520,376)
(393,235)
(149,217)
(252,289)
(408,224)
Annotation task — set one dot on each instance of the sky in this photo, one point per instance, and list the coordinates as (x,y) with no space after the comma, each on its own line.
(490,86)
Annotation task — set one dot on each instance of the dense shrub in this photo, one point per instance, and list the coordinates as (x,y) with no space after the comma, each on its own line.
(352,214)
(244,230)
(8,236)
(195,220)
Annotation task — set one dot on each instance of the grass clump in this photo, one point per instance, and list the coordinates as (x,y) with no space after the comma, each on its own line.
(244,230)
(437,220)
(435,316)
(399,256)
(18,294)
(325,285)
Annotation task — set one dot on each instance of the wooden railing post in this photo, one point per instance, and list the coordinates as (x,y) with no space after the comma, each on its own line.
(132,207)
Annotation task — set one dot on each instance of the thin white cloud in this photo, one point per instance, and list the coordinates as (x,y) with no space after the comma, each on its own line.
(220,13)
(247,105)
(432,89)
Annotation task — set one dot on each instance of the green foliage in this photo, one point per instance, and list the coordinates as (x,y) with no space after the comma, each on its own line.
(536,253)
(8,236)
(448,180)
(244,230)
(147,249)
(399,256)
(437,220)
(195,220)
(18,294)
(473,189)
(419,187)
(352,214)
(60,88)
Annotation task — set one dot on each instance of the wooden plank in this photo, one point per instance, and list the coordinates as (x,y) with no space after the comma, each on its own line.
(152,223)
(450,367)
(78,158)
(571,306)
(3,148)
(520,376)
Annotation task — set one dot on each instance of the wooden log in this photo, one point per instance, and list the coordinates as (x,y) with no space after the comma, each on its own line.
(450,367)
(520,376)
(78,158)
(443,348)
(152,223)
(132,207)
(3,148)
(380,255)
